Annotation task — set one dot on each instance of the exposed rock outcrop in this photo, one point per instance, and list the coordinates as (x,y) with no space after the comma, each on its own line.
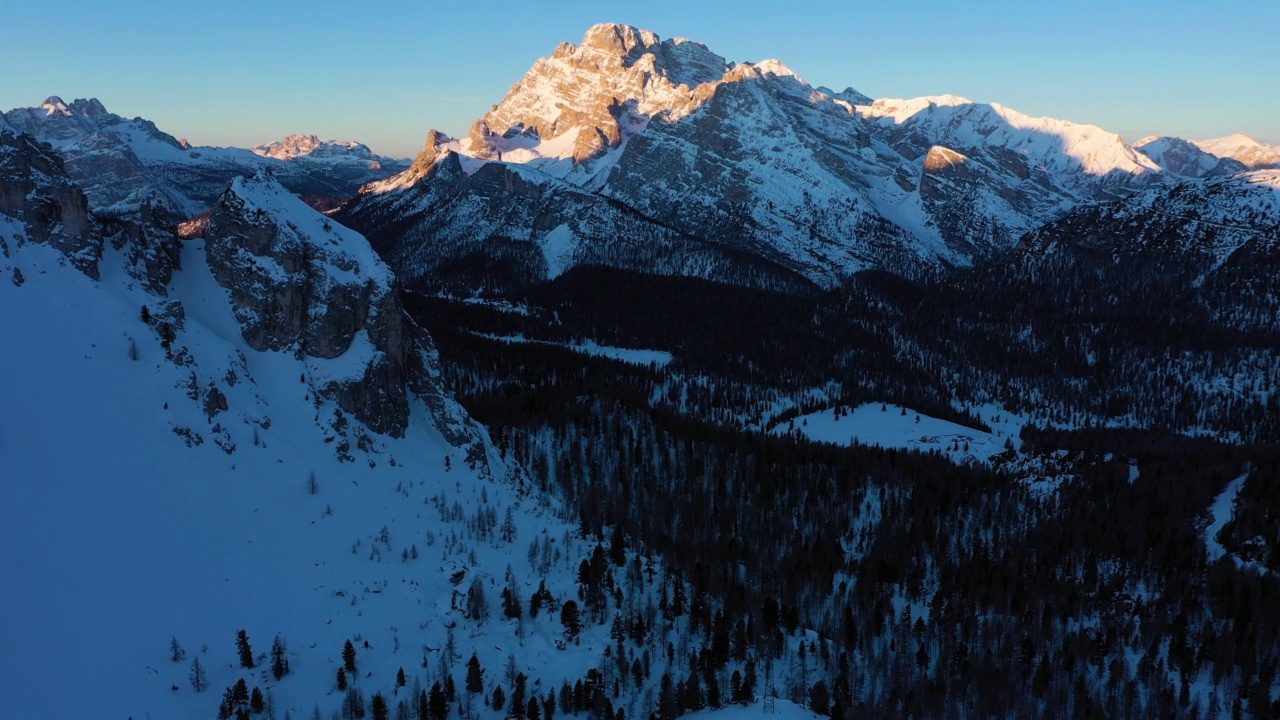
(35,189)
(302,283)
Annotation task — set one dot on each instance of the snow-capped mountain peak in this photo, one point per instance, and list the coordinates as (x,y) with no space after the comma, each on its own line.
(750,155)
(1248,151)
(1184,158)
(53,105)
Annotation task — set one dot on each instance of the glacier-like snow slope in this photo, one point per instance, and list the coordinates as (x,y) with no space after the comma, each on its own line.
(116,536)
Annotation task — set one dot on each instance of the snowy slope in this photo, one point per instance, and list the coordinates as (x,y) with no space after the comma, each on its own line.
(1251,153)
(122,163)
(893,426)
(135,512)
(750,157)
(1184,158)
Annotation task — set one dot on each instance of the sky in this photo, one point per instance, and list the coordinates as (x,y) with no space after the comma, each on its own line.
(246,72)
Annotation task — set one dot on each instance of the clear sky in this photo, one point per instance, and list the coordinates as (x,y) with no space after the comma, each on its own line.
(244,72)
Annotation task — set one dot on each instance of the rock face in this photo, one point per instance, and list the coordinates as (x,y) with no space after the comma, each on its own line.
(302,283)
(123,164)
(35,191)
(748,158)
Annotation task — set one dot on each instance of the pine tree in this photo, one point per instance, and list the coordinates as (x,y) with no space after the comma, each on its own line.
(256,702)
(243,650)
(378,706)
(437,703)
(475,675)
(571,619)
(199,680)
(279,658)
(176,653)
(477,603)
(499,698)
(349,657)
(342,679)
(400,678)
(509,527)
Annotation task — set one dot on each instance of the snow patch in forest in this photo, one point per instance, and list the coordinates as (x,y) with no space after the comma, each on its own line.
(893,426)
(632,356)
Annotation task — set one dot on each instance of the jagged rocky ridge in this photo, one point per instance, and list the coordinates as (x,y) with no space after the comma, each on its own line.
(296,281)
(747,157)
(124,164)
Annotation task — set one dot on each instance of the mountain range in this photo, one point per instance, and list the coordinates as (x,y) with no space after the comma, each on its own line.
(122,164)
(663,147)
(677,385)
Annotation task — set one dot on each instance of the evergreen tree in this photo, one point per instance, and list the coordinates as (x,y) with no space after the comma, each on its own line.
(199,680)
(243,650)
(349,657)
(257,703)
(424,707)
(279,658)
(378,707)
(508,530)
(342,679)
(475,675)
(176,653)
(499,698)
(477,603)
(571,619)
(400,678)
(437,703)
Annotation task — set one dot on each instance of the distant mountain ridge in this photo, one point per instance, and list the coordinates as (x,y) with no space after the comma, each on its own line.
(744,157)
(123,164)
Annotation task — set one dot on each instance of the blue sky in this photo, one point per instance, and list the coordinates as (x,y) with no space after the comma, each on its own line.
(236,72)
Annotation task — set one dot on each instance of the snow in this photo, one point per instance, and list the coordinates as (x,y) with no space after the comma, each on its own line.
(349,256)
(632,356)
(1220,513)
(1243,148)
(868,425)
(115,535)
(782,710)
(558,247)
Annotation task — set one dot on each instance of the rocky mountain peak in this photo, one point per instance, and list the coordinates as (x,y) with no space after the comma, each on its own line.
(596,94)
(617,38)
(290,147)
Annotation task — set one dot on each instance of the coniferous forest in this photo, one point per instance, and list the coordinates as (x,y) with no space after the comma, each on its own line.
(1071,576)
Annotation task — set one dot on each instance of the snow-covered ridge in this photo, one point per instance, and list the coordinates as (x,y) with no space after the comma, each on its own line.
(350,252)
(1244,149)
(123,163)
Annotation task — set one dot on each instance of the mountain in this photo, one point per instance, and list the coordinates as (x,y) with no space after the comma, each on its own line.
(249,438)
(1185,158)
(1218,236)
(122,164)
(1249,152)
(747,158)
(348,163)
